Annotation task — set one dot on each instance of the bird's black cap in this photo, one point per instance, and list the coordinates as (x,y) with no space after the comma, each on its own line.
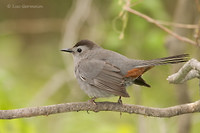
(87,43)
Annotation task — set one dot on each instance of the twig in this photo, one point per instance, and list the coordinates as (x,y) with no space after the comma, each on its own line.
(179,25)
(101,106)
(181,38)
(190,70)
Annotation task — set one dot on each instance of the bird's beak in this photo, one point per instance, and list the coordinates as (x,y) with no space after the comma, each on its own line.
(67,50)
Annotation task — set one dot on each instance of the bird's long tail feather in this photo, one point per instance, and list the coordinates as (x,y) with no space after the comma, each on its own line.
(167,60)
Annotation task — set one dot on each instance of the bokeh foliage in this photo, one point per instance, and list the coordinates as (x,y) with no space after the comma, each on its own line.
(30,60)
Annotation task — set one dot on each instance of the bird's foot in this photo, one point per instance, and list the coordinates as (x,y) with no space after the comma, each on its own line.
(92,100)
(120,100)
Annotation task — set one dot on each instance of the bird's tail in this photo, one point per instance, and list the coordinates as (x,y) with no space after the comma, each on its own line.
(143,66)
(167,60)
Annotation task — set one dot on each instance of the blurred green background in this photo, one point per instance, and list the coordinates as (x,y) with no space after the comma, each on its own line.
(33,72)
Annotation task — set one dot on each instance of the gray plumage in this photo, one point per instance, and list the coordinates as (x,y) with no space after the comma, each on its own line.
(105,73)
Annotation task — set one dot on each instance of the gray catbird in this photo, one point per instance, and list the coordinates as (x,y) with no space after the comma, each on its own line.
(104,73)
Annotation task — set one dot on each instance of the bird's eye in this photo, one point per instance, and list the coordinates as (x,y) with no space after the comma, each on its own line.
(79,50)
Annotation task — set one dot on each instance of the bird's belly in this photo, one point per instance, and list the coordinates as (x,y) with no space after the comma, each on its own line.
(93,91)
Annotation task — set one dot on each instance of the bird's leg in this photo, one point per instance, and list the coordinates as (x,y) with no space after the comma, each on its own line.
(120,100)
(92,100)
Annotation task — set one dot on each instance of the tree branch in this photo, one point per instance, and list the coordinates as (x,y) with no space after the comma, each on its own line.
(101,106)
(190,70)
(151,20)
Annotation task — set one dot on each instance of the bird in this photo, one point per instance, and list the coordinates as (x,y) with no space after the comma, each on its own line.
(104,73)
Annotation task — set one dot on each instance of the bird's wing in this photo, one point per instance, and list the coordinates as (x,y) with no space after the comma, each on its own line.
(102,75)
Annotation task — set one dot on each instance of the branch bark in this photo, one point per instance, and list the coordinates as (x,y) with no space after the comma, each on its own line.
(101,106)
(190,70)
